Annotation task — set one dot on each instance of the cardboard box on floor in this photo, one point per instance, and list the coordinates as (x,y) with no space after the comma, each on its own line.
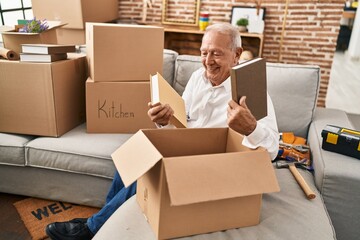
(70,36)
(46,99)
(123,52)
(193,181)
(76,12)
(117,107)
(12,40)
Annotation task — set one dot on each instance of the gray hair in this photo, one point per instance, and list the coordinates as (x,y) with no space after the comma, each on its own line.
(227,28)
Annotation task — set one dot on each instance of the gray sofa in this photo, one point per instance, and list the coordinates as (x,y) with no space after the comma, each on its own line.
(77,166)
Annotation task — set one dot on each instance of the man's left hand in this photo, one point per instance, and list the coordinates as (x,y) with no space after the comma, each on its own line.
(240,117)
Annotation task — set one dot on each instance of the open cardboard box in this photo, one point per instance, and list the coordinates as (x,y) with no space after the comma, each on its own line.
(12,40)
(192,181)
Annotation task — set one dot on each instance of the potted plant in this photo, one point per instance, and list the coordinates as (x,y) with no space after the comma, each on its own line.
(242,24)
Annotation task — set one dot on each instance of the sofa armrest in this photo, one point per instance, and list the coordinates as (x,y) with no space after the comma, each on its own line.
(320,157)
(337,176)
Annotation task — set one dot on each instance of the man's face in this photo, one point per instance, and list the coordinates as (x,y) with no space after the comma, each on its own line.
(218,57)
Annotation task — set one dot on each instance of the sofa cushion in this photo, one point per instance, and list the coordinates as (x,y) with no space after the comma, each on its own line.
(285,215)
(76,151)
(12,148)
(185,65)
(292,88)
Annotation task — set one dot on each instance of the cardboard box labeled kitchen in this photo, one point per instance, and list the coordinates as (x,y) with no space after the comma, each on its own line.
(76,12)
(117,107)
(13,40)
(192,181)
(46,99)
(123,52)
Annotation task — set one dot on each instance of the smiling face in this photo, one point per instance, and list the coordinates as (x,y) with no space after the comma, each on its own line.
(218,57)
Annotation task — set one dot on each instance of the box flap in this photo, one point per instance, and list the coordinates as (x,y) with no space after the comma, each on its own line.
(202,178)
(135,157)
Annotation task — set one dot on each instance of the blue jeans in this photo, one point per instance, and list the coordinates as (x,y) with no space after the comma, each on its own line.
(118,194)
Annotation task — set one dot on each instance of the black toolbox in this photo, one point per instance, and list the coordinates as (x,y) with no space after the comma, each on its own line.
(341,140)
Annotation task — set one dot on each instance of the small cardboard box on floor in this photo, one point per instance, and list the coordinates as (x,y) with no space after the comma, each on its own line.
(117,107)
(46,99)
(192,181)
(76,12)
(123,52)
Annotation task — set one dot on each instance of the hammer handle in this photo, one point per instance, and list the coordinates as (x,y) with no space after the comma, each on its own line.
(301,181)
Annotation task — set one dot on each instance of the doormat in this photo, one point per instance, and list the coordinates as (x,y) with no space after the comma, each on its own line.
(38,213)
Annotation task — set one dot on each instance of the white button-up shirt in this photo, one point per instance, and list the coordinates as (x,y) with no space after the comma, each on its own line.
(206,107)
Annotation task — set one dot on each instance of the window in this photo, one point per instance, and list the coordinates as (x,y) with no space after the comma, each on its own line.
(12,10)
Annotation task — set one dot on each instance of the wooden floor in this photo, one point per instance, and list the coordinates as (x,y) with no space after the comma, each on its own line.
(344,85)
(11,226)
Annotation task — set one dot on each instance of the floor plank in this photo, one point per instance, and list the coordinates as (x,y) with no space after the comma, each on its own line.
(11,225)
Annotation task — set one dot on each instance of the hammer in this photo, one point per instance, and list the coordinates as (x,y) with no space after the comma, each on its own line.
(300,180)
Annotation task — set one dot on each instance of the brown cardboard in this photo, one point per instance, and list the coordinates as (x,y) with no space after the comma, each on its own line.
(163,92)
(70,36)
(123,52)
(192,181)
(12,40)
(76,12)
(46,99)
(117,107)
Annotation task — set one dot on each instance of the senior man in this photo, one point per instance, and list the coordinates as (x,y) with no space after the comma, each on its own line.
(208,104)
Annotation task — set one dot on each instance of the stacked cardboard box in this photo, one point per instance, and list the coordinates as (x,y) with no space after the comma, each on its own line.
(45,99)
(120,59)
(75,13)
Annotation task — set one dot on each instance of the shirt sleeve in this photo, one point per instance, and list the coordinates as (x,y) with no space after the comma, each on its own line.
(266,133)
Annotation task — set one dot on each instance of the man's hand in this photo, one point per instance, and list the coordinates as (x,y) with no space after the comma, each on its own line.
(160,113)
(240,117)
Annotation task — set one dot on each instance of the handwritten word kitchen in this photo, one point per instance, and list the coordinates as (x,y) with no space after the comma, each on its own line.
(110,109)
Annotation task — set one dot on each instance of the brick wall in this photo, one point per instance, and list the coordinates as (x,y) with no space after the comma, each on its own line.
(310,34)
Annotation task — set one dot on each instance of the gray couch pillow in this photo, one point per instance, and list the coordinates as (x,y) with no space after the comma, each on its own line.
(185,65)
(293,90)
(169,65)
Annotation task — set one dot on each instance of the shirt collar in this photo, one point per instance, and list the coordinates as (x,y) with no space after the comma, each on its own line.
(226,84)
